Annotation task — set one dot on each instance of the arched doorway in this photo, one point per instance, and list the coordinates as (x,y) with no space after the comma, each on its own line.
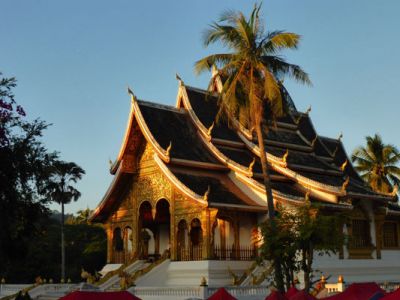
(118,245)
(146,231)
(162,224)
(196,240)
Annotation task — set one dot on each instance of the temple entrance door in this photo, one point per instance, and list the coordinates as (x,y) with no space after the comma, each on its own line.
(146,231)
(118,246)
(148,243)
(162,224)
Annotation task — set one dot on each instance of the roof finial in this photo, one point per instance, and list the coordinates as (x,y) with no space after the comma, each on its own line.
(308,110)
(252,164)
(168,149)
(133,97)
(345,184)
(179,79)
(343,166)
(340,136)
(206,194)
(285,156)
(210,128)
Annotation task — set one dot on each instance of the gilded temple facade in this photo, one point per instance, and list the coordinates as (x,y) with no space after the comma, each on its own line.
(190,188)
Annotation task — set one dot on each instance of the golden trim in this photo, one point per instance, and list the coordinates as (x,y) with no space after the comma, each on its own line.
(278,165)
(147,133)
(285,156)
(343,166)
(205,136)
(252,165)
(177,183)
(126,136)
(345,184)
(210,128)
(198,164)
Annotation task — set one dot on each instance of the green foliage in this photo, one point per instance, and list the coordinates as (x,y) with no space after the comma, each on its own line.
(29,240)
(301,233)
(251,75)
(86,247)
(377,164)
(82,217)
(253,68)
(24,163)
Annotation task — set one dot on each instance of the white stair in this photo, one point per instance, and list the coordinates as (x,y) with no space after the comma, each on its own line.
(112,284)
(257,273)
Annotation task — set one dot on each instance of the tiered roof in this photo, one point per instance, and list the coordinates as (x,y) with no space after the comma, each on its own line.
(217,164)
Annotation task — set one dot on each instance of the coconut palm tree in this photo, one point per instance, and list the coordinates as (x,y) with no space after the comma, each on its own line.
(251,71)
(377,164)
(82,216)
(62,177)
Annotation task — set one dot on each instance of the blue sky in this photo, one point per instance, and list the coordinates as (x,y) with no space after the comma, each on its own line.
(74,59)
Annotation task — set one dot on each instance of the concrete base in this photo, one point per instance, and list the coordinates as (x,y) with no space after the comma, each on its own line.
(190,273)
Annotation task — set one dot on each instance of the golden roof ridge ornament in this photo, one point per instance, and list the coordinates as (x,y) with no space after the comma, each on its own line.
(207,193)
(343,166)
(133,96)
(285,156)
(179,79)
(168,151)
(339,139)
(209,130)
(252,165)
(345,184)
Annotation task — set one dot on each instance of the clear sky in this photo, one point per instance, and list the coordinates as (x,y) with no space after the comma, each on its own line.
(74,59)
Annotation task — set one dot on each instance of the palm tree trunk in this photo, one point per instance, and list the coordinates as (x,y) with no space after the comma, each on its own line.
(270,202)
(62,243)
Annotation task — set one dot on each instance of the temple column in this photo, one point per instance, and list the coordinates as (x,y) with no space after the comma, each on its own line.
(237,238)
(174,238)
(109,243)
(379,217)
(208,219)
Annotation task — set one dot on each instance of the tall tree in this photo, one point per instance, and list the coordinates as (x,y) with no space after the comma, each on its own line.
(302,232)
(82,217)
(63,176)
(377,164)
(23,177)
(251,91)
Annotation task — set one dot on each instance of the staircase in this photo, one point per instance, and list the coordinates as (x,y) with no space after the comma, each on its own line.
(112,284)
(257,275)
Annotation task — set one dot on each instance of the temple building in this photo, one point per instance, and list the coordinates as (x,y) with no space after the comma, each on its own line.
(190,188)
